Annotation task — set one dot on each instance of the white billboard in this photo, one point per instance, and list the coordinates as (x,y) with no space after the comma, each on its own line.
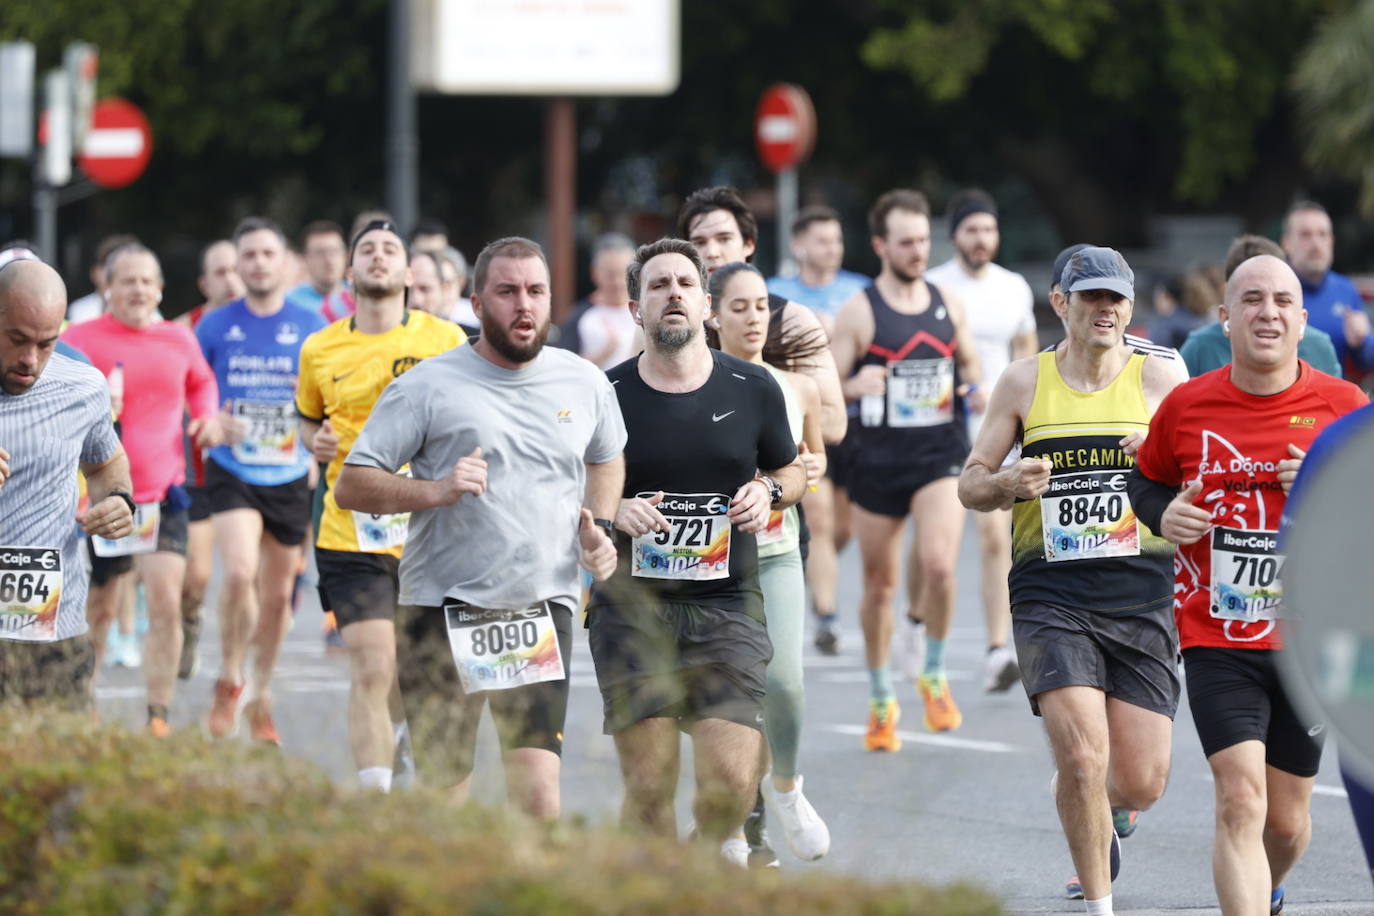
(545,47)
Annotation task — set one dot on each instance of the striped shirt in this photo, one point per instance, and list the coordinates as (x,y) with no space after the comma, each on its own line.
(61,422)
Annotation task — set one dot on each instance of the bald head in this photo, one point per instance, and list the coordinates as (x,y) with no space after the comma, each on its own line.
(1262,269)
(1264,318)
(33,302)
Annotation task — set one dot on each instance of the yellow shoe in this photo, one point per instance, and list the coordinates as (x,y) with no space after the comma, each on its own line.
(942,715)
(882,726)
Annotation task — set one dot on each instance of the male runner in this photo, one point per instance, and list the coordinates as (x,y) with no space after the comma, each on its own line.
(904,349)
(323,250)
(220,284)
(164,376)
(54,419)
(344,369)
(1002,320)
(822,285)
(1091,592)
(1333,303)
(259,488)
(514,450)
(1234,439)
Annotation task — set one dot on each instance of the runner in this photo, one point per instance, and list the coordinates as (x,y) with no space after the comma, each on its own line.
(1001,318)
(822,285)
(162,376)
(904,349)
(678,634)
(344,369)
(220,284)
(1234,439)
(738,326)
(259,488)
(54,420)
(1090,592)
(514,450)
(1333,303)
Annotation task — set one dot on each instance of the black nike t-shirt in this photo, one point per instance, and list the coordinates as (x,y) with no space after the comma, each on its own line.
(698,447)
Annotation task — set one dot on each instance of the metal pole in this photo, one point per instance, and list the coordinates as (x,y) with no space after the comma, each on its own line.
(402,146)
(787,211)
(45,220)
(560,188)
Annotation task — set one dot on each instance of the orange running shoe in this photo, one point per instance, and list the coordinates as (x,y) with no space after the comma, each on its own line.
(942,715)
(223,721)
(158,727)
(260,724)
(882,726)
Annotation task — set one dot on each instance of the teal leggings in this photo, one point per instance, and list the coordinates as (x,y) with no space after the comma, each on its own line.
(784,606)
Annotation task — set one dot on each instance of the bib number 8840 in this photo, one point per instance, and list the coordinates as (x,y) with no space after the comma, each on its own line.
(1082,509)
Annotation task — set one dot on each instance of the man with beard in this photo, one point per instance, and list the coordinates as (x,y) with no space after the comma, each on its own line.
(259,487)
(515,472)
(678,635)
(344,369)
(1000,317)
(905,352)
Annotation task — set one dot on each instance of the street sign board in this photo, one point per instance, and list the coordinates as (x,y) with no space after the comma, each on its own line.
(784,127)
(16,99)
(118,145)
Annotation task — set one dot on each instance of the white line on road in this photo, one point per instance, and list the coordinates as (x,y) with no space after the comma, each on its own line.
(964,744)
(1318,789)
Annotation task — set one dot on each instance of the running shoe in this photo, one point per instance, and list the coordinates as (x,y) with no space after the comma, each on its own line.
(223,720)
(735,851)
(1276,901)
(1073,888)
(260,725)
(827,640)
(333,639)
(882,726)
(126,653)
(403,760)
(805,832)
(913,648)
(158,727)
(761,854)
(1000,670)
(942,714)
(190,637)
(1123,821)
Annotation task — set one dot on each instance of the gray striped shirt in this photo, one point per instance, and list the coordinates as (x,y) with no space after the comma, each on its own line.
(62,421)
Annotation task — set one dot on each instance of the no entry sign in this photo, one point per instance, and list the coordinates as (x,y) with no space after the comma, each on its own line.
(784,127)
(118,145)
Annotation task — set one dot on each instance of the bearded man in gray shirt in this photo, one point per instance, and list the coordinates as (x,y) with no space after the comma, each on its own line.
(515,469)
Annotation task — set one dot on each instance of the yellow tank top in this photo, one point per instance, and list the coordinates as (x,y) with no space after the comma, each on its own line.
(1079,545)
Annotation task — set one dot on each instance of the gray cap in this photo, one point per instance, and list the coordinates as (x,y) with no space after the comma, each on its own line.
(1098,268)
(1061,259)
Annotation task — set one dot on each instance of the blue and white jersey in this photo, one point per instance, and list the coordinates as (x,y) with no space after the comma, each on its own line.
(256,359)
(823,300)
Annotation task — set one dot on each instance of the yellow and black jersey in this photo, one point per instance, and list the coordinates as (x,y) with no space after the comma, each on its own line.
(342,374)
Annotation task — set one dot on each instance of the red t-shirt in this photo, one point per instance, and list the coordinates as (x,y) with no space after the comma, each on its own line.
(1208,428)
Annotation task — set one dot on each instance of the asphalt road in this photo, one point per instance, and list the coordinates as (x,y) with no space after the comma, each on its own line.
(973,805)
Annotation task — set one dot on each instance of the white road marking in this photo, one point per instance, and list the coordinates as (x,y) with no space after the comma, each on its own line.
(963,744)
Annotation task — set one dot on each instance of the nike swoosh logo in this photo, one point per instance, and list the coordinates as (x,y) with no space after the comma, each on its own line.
(716,418)
(339,378)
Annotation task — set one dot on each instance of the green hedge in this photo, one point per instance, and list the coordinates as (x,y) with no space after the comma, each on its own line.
(98,820)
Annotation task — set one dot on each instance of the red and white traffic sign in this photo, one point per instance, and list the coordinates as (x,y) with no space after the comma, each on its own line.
(118,144)
(784,127)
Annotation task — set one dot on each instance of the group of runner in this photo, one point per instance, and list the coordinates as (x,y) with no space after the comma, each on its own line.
(1124,512)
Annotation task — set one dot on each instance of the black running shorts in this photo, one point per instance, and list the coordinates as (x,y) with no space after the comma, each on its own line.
(285,508)
(443,717)
(1132,659)
(357,586)
(1237,695)
(172,535)
(200,504)
(889,489)
(679,661)
(839,458)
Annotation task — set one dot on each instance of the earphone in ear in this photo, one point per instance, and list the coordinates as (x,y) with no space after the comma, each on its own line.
(1302,332)
(1226,327)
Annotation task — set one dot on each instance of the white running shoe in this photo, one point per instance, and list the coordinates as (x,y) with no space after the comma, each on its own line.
(1000,670)
(913,649)
(735,851)
(805,832)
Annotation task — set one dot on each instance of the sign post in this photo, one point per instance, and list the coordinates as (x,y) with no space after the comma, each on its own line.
(785,134)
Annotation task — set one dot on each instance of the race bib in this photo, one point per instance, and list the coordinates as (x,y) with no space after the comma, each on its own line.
(270,432)
(381,532)
(774,533)
(1245,575)
(1088,516)
(143,539)
(920,392)
(30,592)
(696,546)
(499,650)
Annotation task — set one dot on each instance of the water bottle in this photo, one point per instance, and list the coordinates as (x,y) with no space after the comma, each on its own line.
(871,409)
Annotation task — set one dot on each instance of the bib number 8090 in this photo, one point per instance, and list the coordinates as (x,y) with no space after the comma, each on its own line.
(497,638)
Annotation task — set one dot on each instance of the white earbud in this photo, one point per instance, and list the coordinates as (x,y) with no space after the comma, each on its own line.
(1226,327)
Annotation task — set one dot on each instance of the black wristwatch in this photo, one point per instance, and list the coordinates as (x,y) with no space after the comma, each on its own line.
(133,507)
(774,489)
(605,525)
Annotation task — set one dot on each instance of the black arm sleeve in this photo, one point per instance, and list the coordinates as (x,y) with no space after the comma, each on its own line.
(1149,498)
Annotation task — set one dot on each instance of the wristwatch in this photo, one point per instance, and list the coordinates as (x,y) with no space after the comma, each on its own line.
(133,507)
(774,489)
(605,525)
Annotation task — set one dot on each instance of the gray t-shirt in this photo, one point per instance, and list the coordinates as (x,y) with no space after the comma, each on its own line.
(516,544)
(62,421)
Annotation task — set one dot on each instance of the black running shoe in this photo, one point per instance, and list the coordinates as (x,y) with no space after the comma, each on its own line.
(761,854)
